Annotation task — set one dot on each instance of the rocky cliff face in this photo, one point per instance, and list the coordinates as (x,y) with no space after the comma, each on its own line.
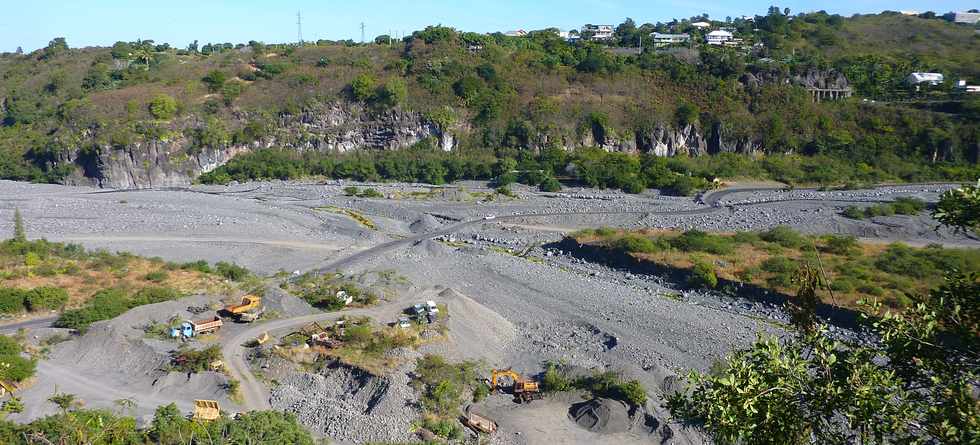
(336,127)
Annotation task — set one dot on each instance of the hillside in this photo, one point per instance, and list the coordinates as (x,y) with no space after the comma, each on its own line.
(142,114)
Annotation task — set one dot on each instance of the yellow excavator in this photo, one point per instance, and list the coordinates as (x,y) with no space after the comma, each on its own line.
(525,390)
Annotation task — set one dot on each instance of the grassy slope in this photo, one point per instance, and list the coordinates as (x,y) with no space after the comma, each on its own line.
(861,271)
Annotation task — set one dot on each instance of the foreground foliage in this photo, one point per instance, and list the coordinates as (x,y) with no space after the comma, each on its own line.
(915,382)
(168,427)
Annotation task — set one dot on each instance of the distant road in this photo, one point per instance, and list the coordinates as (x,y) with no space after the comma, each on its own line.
(36,323)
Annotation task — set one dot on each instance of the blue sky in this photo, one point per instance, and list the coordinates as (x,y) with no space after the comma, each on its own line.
(31,24)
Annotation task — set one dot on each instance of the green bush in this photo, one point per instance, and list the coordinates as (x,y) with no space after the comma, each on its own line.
(15,367)
(12,300)
(703,275)
(153,295)
(163,106)
(46,298)
(908,206)
(784,236)
(698,241)
(231,271)
(157,276)
(371,193)
(840,244)
(104,305)
(351,191)
(606,231)
(555,380)
(550,185)
(746,237)
(609,384)
(194,361)
(779,265)
(636,244)
(200,266)
(854,212)
(903,260)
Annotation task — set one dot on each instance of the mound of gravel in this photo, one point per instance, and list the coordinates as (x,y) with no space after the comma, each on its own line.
(602,416)
(349,405)
(427,223)
(475,331)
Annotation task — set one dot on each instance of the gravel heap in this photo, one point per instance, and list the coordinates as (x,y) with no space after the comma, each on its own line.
(427,223)
(601,416)
(349,405)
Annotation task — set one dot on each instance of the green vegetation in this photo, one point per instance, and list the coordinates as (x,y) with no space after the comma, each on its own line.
(168,427)
(772,259)
(915,385)
(960,208)
(518,96)
(606,384)
(327,291)
(190,360)
(366,346)
(901,206)
(111,303)
(444,387)
(14,367)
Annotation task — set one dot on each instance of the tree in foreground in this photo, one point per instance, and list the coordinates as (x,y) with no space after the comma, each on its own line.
(915,383)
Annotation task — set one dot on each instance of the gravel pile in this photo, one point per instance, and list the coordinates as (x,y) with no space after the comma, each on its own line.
(602,416)
(427,223)
(351,406)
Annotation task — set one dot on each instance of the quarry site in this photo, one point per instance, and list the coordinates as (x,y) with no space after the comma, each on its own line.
(509,292)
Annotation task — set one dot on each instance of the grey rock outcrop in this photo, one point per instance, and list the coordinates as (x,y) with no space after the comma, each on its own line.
(337,126)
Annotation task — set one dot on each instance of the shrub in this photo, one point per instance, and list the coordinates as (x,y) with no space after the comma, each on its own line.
(157,276)
(351,191)
(605,231)
(854,212)
(371,193)
(163,106)
(153,295)
(698,241)
(12,300)
(555,380)
(636,244)
(231,271)
(194,361)
(44,298)
(550,185)
(779,265)
(504,190)
(840,244)
(903,260)
(609,384)
(746,237)
(784,236)
(908,206)
(200,266)
(703,275)
(363,87)
(105,304)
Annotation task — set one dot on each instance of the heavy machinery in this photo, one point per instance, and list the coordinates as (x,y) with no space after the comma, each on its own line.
(248,311)
(479,423)
(525,390)
(206,410)
(190,329)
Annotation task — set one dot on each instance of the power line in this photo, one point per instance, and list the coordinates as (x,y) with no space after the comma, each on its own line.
(299,27)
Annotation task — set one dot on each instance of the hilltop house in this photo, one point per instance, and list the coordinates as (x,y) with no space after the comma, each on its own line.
(701,25)
(664,40)
(518,33)
(969,18)
(599,32)
(719,37)
(927,78)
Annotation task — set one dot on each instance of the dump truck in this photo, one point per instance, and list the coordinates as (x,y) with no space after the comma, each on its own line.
(207,326)
(206,410)
(525,390)
(249,304)
(479,423)
(190,329)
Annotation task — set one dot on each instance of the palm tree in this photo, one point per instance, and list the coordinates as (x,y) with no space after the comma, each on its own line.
(63,400)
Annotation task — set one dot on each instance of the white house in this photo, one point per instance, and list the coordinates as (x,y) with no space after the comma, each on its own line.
(928,78)
(569,36)
(719,37)
(599,32)
(662,40)
(518,33)
(966,17)
(701,25)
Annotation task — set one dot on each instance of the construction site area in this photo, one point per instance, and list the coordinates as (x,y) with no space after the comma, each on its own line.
(420,313)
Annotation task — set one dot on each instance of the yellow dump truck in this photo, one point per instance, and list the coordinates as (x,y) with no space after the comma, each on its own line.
(206,410)
(249,303)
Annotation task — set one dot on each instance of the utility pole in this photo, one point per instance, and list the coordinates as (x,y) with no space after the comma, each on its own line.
(299,27)
(362,32)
